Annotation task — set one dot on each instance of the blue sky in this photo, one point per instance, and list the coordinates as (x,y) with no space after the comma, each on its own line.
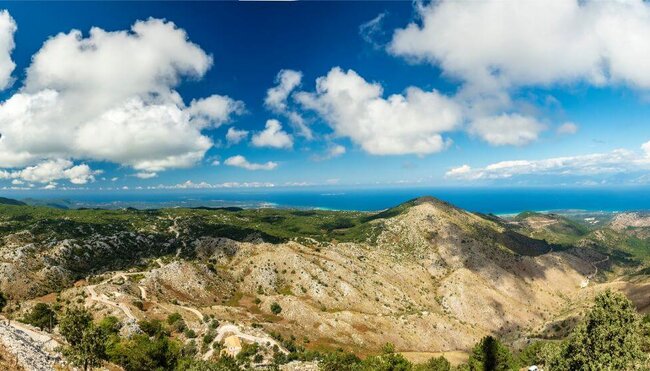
(474,104)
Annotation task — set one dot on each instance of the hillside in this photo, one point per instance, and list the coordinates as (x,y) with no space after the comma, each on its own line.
(10,201)
(425,276)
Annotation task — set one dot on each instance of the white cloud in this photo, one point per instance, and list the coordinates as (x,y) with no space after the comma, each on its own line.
(567,128)
(205,185)
(214,110)
(507,43)
(145,175)
(276,97)
(333,150)
(49,171)
(240,161)
(80,102)
(234,136)
(620,161)
(497,47)
(459,171)
(272,136)
(646,148)
(400,124)
(507,129)
(276,100)
(372,30)
(7,29)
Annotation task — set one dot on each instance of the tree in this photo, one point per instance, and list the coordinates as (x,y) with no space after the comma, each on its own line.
(435,364)
(340,361)
(490,355)
(140,352)
(73,323)
(3,300)
(608,339)
(91,350)
(153,328)
(388,361)
(276,308)
(41,316)
(110,325)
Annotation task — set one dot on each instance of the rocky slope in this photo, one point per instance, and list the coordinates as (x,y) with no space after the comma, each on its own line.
(425,276)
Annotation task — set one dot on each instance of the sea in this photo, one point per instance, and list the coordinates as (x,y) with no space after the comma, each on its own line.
(498,201)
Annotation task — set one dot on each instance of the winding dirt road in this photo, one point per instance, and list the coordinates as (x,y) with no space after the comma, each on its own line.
(591,276)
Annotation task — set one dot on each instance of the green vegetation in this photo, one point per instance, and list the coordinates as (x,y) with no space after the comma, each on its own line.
(3,301)
(610,338)
(41,316)
(73,323)
(276,308)
(11,201)
(491,355)
(86,342)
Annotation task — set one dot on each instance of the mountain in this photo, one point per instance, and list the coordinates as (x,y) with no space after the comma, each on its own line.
(425,275)
(10,201)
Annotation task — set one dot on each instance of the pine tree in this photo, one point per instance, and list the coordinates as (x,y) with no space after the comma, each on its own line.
(608,339)
(490,355)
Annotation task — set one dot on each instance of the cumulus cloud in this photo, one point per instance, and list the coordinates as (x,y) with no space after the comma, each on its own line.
(7,29)
(495,48)
(620,161)
(504,43)
(276,97)
(507,129)
(409,123)
(234,136)
(49,171)
(79,101)
(277,100)
(241,161)
(272,136)
(567,128)
(214,110)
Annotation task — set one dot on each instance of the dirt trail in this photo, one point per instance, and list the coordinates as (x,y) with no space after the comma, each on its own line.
(230,329)
(174,229)
(104,299)
(591,276)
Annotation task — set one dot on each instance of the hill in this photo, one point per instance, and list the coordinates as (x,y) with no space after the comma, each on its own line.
(425,275)
(10,201)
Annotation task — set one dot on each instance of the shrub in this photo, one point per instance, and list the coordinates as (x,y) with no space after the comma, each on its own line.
(110,325)
(153,328)
(173,318)
(435,364)
(276,308)
(139,352)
